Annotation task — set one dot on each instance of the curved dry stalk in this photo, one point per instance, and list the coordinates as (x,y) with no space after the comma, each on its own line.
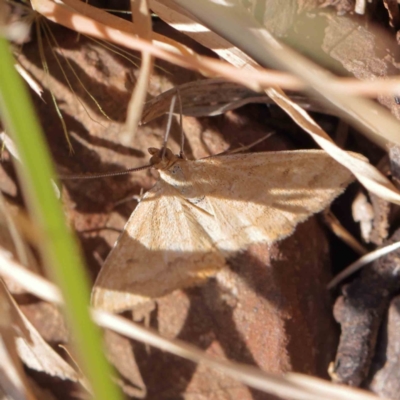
(141,15)
(366,173)
(119,31)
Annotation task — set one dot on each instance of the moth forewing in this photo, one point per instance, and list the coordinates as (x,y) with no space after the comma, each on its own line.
(161,246)
(201,212)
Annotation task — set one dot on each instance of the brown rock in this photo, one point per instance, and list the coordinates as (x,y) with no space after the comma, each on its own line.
(270,309)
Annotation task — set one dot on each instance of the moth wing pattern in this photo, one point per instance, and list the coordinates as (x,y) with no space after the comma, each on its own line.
(261,197)
(162,247)
(201,212)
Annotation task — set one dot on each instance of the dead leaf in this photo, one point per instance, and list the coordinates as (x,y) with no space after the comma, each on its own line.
(215,96)
(13,381)
(201,98)
(33,350)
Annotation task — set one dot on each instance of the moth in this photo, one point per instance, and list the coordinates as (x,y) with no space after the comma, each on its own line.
(201,212)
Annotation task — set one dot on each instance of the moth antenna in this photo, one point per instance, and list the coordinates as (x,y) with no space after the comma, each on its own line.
(243,148)
(182,155)
(248,147)
(169,123)
(107,175)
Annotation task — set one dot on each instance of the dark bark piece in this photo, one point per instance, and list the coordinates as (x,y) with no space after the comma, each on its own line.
(360,311)
(380,228)
(386,364)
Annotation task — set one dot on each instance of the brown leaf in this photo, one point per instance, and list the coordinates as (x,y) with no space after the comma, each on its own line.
(202,98)
(32,349)
(13,382)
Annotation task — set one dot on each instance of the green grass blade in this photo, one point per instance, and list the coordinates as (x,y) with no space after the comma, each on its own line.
(58,247)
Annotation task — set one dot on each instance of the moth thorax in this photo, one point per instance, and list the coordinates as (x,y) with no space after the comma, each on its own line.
(174,175)
(161,162)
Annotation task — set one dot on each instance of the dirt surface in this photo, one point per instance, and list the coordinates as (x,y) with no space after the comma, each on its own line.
(281,291)
(280,318)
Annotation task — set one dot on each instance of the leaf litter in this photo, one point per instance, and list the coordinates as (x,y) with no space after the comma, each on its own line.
(95,214)
(287,385)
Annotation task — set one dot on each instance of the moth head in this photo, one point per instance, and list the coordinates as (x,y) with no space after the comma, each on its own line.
(160,160)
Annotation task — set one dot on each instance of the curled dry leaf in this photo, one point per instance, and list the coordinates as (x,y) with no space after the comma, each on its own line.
(38,355)
(210,97)
(32,349)
(202,98)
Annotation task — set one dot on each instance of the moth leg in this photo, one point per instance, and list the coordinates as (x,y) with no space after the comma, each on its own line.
(136,197)
(142,312)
